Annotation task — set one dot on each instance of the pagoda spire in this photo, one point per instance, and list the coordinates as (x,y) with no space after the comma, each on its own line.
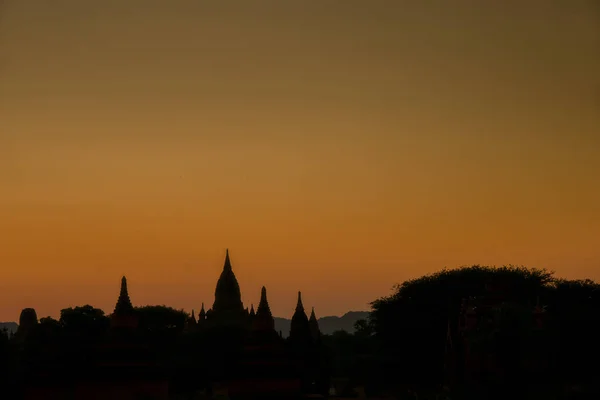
(313,323)
(124,316)
(299,305)
(227,264)
(124,305)
(190,323)
(263,320)
(263,306)
(228,297)
(202,314)
(299,327)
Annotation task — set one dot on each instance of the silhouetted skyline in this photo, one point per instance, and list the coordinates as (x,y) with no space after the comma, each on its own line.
(500,327)
(316,141)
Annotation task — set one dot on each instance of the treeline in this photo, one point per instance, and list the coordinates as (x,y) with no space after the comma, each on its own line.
(189,357)
(65,343)
(405,343)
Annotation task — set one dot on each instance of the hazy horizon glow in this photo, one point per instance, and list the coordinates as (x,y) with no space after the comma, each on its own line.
(335,148)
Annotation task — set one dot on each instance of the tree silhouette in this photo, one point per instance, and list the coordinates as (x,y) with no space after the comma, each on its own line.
(162,318)
(576,322)
(412,325)
(83,322)
(362,327)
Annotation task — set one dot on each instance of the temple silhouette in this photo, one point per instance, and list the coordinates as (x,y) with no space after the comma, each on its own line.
(229,350)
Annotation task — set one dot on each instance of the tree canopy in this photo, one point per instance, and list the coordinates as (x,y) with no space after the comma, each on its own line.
(411,325)
(156,318)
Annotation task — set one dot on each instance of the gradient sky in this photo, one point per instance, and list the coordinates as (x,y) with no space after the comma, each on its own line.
(336,147)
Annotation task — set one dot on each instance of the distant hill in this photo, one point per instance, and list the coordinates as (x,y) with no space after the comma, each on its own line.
(10,326)
(328,325)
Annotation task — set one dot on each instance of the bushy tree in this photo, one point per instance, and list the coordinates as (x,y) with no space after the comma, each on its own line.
(575,308)
(84,322)
(411,325)
(161,318)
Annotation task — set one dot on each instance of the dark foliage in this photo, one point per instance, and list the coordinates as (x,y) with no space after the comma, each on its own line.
(161,319)
(411,326)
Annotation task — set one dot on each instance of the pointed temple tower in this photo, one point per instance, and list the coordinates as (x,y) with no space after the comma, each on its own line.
(303,348)
(124,316)
(190,323)
(300,328)
(247,357)
(119,365)
(317,361)
(228,308)
(265,369)
(313,323)
(201,318)
(251,317)
(263,321)
(126,357)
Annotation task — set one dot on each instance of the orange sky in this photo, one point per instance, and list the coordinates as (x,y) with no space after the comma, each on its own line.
(335,147)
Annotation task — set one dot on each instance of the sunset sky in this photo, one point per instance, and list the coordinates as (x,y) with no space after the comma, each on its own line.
(335,147)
